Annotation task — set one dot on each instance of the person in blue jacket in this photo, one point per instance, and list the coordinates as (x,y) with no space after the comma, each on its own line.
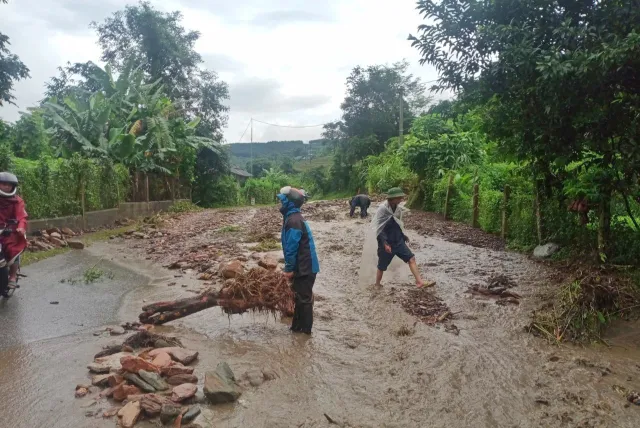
(300,259)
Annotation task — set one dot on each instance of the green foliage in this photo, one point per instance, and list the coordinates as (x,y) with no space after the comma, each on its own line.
(184,207)
(432,158)
(166,52)
(386,171)
(217,192)
(31,140)
(52,187)
(11,70)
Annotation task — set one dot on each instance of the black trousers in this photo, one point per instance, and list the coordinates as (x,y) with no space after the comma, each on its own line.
(303,311)
(363,210)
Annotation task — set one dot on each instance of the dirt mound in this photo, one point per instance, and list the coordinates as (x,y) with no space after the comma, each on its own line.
(425,305)
(432,224)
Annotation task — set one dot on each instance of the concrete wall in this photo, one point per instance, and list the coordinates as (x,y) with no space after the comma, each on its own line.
(95,219)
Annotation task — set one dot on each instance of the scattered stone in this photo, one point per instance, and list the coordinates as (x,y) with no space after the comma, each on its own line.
(57,242)
(111,412)
(154,380)
(55,235)
(99,368)
(269,374)
(129,414)
(68,232)
(55,302)
(112,361)
(232,269)
(176,369)
(116,330)
(136,380)
(268,263)
(75,244)
(138,235)
(100,380)
(546,250)
(181,355)
(191,414)
(169,412)
(115,379)
(89,404)
(182,378)
(161,343)
(124,391)
(161,360)
(220,386)
(183,392)
(152,404)
(255,377)
(81,392)
(135,364)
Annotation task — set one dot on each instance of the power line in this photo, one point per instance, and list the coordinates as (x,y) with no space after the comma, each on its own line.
(245,131)
(290,126)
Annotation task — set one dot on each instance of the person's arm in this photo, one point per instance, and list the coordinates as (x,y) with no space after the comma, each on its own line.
(292,237)
(21,216)
(383,235)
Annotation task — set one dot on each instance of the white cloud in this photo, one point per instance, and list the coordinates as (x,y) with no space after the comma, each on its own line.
(286,61)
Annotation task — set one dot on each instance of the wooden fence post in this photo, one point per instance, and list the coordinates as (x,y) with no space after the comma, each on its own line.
(505,212)
(476,208)
(448,197)
(82,204)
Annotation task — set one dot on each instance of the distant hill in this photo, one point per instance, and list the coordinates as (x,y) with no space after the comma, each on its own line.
(296,148)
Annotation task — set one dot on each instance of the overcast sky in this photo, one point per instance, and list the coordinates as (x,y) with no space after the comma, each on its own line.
(286,61)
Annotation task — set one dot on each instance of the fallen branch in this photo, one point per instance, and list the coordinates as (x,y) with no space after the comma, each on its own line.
(257,290)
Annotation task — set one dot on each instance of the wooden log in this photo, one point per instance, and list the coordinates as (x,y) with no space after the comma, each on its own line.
(163,312)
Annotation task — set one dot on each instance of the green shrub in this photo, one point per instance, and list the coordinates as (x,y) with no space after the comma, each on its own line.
(184,207)
(490,210)
(218,192)
(51,187)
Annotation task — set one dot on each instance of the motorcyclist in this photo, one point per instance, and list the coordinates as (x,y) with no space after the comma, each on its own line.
(12,215)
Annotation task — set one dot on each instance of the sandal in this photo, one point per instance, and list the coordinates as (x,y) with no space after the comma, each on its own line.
(13,284)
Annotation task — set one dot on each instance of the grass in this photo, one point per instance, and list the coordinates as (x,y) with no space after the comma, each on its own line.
(231,228)
(307,165)
(184,207)
(266,245)
(30,257)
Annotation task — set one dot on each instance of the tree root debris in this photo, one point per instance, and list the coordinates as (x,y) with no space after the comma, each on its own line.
(498,286)
(426,306)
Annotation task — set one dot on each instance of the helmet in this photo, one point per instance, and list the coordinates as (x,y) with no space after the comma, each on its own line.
(305,195)
(7,177)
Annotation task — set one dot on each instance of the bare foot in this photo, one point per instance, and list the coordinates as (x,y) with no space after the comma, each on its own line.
(419,283)
(377,284)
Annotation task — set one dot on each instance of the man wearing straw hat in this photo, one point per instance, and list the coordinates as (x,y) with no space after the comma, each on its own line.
(392,241)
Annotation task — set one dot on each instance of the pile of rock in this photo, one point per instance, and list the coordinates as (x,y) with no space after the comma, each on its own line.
(151,376)
(54,238)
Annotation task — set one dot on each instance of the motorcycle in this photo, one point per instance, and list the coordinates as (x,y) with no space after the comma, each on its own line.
(6,292)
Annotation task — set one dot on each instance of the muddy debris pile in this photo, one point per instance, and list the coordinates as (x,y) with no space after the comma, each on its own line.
(49,239)
(256,290)
(432,224)
(148,376)
(423,304)
(498,286)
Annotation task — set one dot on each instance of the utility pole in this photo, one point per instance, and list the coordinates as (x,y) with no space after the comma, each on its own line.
(251,147)
(401,119)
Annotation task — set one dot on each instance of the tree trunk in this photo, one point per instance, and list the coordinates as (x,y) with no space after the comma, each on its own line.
(162,312)
(136,183)
(604,225)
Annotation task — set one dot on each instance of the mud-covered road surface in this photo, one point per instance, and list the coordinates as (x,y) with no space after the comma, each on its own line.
(369,363)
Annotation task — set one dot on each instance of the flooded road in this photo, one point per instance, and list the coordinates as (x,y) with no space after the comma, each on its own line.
(367,364)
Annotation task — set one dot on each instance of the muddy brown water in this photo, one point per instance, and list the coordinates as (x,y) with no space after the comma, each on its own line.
(356,368)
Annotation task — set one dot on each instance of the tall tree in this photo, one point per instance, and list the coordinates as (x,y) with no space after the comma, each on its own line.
(31,140)
(166,49)
(372,104)
(560,79)
(11,69)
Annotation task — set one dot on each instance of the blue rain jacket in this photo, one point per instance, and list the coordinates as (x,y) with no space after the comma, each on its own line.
(297,241)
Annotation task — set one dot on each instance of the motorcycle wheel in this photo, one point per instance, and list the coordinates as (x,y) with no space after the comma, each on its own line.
(5,291)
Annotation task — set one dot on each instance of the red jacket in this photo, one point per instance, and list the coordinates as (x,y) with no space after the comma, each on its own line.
(13,209)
